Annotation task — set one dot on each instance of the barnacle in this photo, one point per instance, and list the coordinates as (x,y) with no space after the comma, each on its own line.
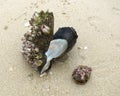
(36,42)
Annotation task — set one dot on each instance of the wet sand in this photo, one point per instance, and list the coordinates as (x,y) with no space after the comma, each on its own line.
(98,26)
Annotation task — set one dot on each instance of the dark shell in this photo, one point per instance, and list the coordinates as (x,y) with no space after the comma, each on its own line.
(81,74)
(67,33)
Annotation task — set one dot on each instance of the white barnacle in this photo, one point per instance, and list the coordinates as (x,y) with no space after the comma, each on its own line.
(36,14)
(28,49)
(37,49)
(45,29)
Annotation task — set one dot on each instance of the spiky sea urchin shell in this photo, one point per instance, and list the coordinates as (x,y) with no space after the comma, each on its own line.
(81,74)
(36,42)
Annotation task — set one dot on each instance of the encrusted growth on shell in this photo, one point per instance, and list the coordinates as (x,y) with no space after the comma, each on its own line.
(36,42)
(81,74)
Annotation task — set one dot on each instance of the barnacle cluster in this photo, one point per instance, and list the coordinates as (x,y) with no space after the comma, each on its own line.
(37,40)
(81,74)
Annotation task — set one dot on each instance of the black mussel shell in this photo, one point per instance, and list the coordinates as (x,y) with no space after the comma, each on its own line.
(67,33)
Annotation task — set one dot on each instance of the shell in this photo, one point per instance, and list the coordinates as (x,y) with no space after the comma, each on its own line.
(67,33)
(63,41)
(82,74)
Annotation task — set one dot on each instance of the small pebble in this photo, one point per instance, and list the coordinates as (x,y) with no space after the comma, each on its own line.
(64,13)
(27,24)
(10,69)
(85,47)
(5,27)
(51,73)
(42,75)
(79,47)
(48,89)
(30,76)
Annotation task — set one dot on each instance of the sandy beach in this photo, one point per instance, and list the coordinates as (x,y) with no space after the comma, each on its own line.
(97,23)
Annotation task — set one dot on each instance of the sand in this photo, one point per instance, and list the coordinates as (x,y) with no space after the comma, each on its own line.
(97,23)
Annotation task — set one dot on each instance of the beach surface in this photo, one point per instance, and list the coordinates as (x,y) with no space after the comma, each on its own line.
(97,23)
